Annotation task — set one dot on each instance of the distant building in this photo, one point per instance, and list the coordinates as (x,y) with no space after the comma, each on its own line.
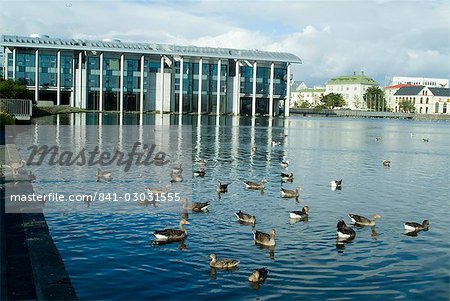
(296,86)
(311,96)
(352,88)
(419,81)
(389,92)
(426,100)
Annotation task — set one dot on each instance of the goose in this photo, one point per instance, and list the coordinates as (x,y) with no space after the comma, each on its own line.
(386,163)
(412,226)
(285,177)
(222,263)
(222,188)
(103,175)
(363,221)
(284,163)
(300,214)
(172,234)
(255,185)
(336,183)
(344,232)
(245,217)
(195,207)
(176,177)
(286,193)
(258,275)
(200,173)
(264,238)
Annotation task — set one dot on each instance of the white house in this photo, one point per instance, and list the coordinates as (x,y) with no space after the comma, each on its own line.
(311,96)
(427,100)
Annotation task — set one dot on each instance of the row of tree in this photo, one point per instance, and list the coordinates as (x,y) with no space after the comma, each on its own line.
(374,99)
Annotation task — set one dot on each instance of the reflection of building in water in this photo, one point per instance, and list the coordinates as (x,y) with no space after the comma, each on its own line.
(111,75)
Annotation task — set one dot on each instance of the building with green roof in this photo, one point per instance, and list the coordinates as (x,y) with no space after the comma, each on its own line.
(352,88)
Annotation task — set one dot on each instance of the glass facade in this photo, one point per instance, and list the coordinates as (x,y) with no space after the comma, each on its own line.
(111,83)
(93,82)
(66,71)
(47,70)
(132,85)
(279,81)
(25,67)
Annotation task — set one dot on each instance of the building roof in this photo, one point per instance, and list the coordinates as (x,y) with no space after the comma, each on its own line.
(312,90)
(352,80)
(409,90)
(397,86)
(440,91)
(145,48)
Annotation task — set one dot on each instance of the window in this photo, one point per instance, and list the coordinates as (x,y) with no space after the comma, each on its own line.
(436,107)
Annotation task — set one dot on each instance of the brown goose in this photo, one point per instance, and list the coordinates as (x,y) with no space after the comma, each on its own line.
(264,238)
(258,275)
(245,217)
(222,263)
(169,235)
(255,185)
(286,193)
(363,221)
(195,207)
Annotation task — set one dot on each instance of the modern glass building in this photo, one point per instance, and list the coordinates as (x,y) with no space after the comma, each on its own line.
(111,75)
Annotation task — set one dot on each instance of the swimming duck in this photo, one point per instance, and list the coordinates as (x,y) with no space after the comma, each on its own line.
(255,185)
(258,275)
(379,139)
(412,226)
(425,139)
(386,163)
(284,163)
(286,193)
(195,207)
(245,217)
(264,238)
(344,232)
(363,221)
(285,177)
(103,175)
(300,214)
(176,177)
(336,183)
(221,188)
(200,173)
(222,263)
(172,234)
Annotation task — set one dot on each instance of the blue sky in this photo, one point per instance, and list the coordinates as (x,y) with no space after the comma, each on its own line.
(333,38)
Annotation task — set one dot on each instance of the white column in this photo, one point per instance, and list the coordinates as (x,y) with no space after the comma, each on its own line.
(254,90)
(288,91)
(14,64)
(180,97)
(5,62)
(58,78)
(36,76)
(100,96)
(237,90)
(272,69)
(219,66)
(122,64)
(161,87)
(72,97)
(200,77)
(80,90)
(141,94)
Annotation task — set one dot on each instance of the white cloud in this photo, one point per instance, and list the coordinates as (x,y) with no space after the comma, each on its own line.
(332,38)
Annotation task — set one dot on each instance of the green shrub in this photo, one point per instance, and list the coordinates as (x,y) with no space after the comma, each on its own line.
(5,119)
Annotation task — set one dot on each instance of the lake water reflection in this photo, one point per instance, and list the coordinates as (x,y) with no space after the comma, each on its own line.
(110,256)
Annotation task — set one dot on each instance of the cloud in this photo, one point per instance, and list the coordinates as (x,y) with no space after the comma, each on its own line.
(383,38)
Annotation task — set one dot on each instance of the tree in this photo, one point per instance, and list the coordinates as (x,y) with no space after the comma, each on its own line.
(10,89)
(406,106)
(332,100)
(304,105)
(374,98)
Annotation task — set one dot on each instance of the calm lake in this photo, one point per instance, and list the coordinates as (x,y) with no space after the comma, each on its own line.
(110,255)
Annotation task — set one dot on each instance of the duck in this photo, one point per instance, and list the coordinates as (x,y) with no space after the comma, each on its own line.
(386,163)
(336,183)
(344,232)
(195,207)
(425,140)
(379,139)
(258,275)
(176,177)
(245,217)
(285,177)
(300,214)
(413,226)
(103,175)
(264,238)
(284,163)
(255,185)
(363,221)
(222,188)
(224,263)
(169,235)
(200,173)
(287,193)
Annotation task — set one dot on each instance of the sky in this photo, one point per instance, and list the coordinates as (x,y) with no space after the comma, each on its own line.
(332,38)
